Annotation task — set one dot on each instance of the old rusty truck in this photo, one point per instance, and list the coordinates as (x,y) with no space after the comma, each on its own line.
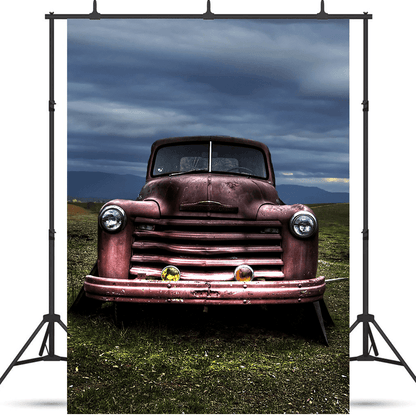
(207,228)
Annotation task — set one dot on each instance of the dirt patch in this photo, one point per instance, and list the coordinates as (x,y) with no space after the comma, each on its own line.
(75,210)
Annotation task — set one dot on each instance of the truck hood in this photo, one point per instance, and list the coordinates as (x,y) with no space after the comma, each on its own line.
(209,195)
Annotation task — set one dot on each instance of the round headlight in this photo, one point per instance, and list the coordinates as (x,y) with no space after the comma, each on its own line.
(112,218)
(303,224)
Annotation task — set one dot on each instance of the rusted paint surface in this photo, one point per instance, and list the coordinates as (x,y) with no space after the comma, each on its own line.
(139,290)
(184,196)
(201,250)
(300,256)
(114,250)
(205,236)
(181,261)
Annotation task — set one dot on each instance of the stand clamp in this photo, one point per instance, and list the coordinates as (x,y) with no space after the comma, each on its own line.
(94,15)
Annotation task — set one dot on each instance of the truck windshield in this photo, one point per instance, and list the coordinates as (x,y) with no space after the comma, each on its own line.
(209,157)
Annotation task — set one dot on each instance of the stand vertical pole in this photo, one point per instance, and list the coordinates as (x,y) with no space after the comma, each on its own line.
(365,185)
(51,180)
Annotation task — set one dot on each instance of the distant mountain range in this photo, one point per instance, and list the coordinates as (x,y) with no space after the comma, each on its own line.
(90,186)
(296,194)
(99,186)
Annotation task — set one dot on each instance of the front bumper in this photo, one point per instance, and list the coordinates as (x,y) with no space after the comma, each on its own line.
(203,292)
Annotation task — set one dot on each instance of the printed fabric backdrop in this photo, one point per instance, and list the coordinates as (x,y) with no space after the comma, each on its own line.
(283,83)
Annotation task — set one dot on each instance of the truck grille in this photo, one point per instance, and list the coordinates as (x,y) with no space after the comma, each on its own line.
(206,250)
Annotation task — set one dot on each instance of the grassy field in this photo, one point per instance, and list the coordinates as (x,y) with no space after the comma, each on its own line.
(178,359)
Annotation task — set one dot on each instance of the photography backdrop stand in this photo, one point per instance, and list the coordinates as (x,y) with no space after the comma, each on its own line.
(52,318)
(365,318)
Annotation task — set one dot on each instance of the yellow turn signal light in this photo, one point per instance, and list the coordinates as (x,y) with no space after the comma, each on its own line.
(171,273)
(243,273)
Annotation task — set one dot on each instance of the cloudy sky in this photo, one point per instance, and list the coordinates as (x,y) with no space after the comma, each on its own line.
(284,83)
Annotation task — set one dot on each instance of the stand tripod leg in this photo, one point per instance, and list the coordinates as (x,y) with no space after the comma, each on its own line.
(15,361)
(354,325)
(366,320)
(402,362)
(45,339)
(373,343)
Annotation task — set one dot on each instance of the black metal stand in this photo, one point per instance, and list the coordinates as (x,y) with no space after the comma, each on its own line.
(51,318)
(366,318)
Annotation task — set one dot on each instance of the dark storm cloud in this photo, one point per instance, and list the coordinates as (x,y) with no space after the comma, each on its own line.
(132,82)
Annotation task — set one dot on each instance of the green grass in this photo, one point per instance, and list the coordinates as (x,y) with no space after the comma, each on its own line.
(81,249)
(239,359)
(333,220)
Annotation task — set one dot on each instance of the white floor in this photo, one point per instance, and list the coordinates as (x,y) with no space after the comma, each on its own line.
(381,389)
(32,389)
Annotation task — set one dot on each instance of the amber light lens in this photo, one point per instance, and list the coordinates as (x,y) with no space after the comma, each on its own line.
(171,273)
(243,273)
